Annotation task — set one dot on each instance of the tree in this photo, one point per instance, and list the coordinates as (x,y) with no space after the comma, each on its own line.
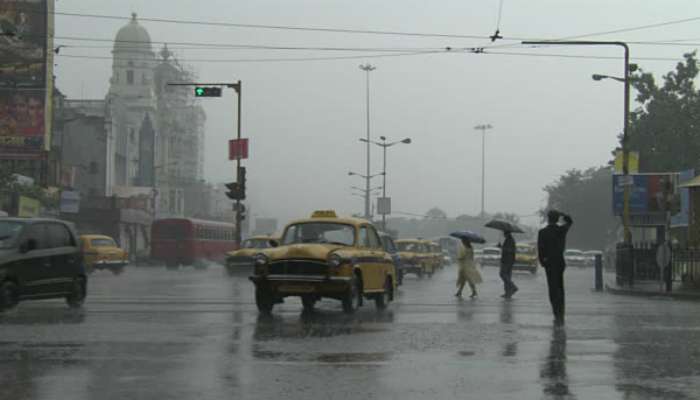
(665,128)
(436,213)
(587,197)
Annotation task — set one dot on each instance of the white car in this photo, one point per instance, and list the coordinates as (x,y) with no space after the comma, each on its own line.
(590,257)
(575,258)
(491,256)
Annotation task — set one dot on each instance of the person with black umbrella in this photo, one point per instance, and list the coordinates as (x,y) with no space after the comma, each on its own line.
(551,243)
(507,261)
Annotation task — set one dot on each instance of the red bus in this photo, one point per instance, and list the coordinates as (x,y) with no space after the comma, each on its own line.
(186,241)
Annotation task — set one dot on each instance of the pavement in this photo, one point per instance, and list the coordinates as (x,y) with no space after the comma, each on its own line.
(651,289)
(157,334)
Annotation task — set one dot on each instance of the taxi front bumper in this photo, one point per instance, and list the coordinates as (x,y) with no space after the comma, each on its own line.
(291,285)
(106,264)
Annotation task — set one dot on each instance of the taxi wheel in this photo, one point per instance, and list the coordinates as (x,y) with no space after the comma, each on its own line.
(353,297)
(8,295)
(384,298)
(118,271)
(264,301)
(308,302)
(76,297)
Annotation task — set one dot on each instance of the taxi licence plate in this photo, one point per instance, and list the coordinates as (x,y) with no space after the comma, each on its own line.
(296,288)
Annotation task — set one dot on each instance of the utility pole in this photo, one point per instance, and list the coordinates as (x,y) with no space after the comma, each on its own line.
(367,68)
(483,128)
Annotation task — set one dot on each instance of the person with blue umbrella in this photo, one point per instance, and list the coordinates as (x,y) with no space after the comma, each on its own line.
(467,272)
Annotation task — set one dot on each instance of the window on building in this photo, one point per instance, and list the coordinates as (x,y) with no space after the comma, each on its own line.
(130,77)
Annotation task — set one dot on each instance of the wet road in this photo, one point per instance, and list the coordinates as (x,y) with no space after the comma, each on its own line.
(152,333)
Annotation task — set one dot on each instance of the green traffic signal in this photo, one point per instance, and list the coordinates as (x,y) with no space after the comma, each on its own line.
(207,91)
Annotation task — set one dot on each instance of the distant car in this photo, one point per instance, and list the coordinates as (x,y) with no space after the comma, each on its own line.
(101,252)
(574,258)
(590,257)
(491,257)
(241,260)
(525,258)
(416,257)
(40,259)
(390,247)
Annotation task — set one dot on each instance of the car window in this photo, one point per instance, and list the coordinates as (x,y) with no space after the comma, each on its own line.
(58,236)
(37,232)
(373,237)
(389,245)
(364,239)
(103,242)
(9,232)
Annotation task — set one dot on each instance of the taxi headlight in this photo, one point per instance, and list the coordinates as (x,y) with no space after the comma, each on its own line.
(261,259)
(335,261)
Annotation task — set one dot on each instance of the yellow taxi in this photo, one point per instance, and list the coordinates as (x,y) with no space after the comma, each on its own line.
(102,252)
(436,254)
(325,256)
(525,258)
(416,257)
(241,260)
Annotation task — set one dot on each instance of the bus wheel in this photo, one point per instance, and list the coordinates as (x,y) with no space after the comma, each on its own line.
(264,301)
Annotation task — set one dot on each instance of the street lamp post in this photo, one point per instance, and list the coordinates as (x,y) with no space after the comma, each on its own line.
(384,145)
(483,128)
(626,112)
(367,68)
(366,190)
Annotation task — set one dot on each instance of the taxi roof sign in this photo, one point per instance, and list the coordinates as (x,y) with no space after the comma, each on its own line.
(324,214)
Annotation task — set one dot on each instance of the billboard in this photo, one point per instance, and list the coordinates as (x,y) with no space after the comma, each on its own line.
(646,192)
(26,86)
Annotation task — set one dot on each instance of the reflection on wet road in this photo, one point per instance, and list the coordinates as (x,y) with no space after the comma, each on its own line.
(152,333)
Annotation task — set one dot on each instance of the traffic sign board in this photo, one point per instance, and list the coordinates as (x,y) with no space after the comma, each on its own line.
(238,149)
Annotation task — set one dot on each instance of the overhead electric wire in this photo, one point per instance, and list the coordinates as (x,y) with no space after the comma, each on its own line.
(289,59)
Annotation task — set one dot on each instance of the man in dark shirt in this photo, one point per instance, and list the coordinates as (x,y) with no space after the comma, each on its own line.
(551,243)
(507,261)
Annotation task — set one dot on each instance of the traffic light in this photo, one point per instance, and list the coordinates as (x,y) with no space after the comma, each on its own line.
(234,192)
(241,179)
(207,91)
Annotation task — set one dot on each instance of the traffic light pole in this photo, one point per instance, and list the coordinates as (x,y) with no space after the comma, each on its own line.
(239,90)
(209,90)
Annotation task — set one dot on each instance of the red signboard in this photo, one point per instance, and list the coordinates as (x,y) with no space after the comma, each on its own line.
(238,149)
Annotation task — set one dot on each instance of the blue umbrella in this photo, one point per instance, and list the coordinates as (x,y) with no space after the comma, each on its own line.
(469,235)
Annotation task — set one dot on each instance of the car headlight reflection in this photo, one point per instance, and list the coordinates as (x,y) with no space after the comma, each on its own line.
(335,261)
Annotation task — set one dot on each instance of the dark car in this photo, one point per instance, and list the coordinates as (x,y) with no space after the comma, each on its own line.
(40,259)
(390,247)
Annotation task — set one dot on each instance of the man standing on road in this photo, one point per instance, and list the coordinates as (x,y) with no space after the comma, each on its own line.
(551,243)
(507,261)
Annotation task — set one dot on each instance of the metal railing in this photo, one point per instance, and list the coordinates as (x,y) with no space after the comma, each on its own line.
(638,264)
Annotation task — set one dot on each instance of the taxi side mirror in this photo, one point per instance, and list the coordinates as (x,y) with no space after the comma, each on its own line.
(273,243)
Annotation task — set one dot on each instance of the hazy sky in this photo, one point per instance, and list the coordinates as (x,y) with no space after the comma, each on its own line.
(304,119)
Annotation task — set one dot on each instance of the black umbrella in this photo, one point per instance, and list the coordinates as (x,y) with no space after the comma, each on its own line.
(469,235)
(505,226)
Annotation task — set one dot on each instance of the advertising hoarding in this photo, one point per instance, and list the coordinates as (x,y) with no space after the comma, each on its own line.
(26,84)
(646,192)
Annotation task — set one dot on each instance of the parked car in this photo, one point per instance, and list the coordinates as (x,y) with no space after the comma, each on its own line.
(491,257)
(390,247)
(40,259)
(101,252)
(574,258)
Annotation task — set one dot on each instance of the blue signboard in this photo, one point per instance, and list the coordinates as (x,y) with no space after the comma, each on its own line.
(639,195)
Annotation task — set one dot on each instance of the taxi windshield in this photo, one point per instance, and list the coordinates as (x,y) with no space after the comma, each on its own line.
(573,253)
(255,244)
(9,230)
(319,232)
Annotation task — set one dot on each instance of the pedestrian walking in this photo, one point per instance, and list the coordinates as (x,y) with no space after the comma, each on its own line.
(507,261)
(551,243)
(467,269)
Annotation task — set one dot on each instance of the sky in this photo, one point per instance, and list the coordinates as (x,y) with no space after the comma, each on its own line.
(304,119)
